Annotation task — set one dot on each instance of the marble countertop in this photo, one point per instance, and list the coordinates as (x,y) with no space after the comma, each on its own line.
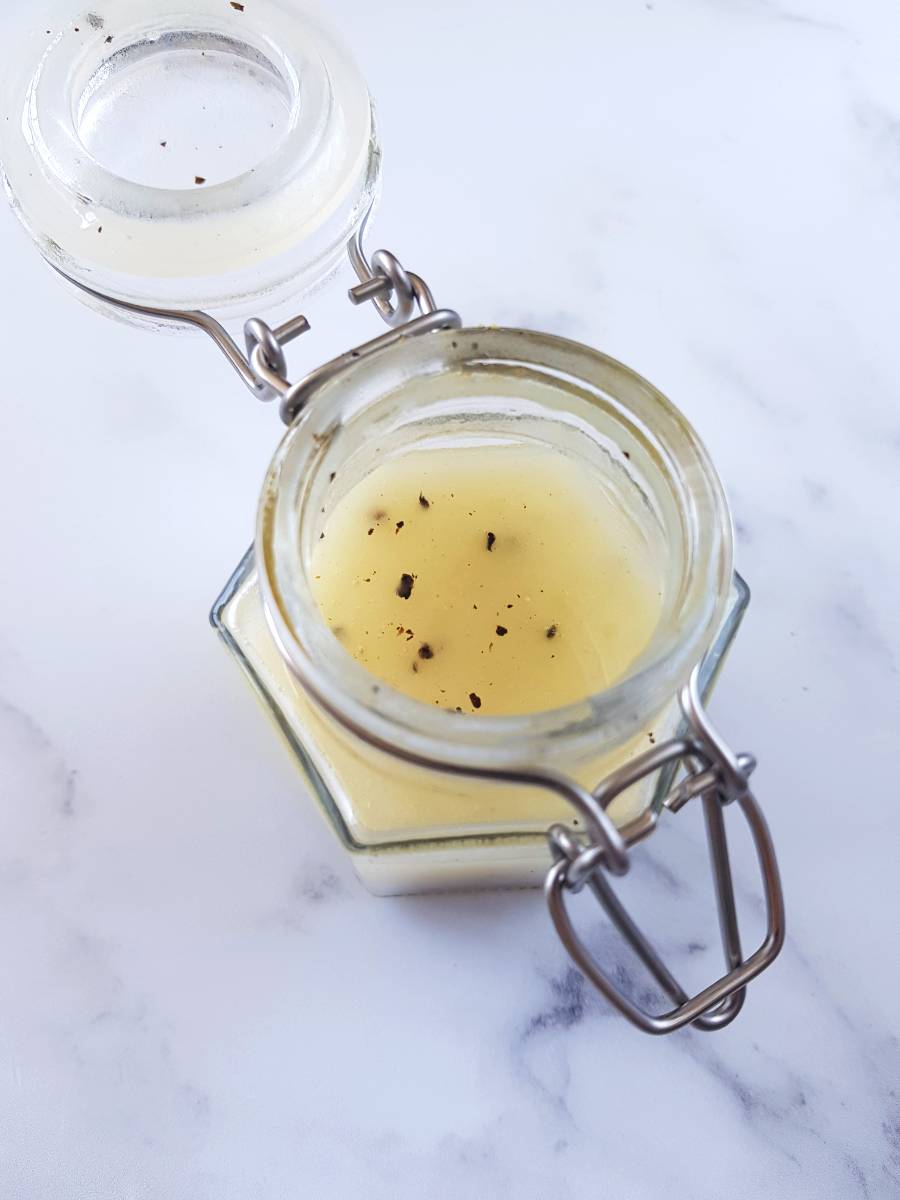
(198,1000)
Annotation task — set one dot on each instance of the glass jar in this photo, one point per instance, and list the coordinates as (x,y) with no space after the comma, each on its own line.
(406,826)
(180,162)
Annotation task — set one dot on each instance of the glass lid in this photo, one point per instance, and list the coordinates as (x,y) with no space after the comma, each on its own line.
(188,153)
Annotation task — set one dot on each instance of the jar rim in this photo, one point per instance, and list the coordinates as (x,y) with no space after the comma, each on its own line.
(273,230)
(395,721)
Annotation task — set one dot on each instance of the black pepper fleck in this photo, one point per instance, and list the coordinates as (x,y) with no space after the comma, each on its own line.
(475,699)
(425,651)
(552,631)
(199,179)
(502,631)
(405,587)
(237,6)
(424,501)
(400,525)
(491,538)
(371,531)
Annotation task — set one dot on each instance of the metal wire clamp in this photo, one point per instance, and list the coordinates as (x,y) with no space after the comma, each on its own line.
(719,778)
(396,293)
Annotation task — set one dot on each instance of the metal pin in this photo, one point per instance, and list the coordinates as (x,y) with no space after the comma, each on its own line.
(371,289)
(291,329)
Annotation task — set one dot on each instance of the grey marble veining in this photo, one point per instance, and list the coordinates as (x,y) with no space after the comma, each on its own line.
(198,1001)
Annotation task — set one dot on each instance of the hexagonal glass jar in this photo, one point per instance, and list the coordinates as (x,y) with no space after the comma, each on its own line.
(410,827)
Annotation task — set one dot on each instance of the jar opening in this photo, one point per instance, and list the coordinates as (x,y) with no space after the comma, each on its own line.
(445,390)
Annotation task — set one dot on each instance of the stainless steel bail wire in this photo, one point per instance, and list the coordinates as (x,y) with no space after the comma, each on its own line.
(384,278)
(397,294)
(714,774)
(719,778)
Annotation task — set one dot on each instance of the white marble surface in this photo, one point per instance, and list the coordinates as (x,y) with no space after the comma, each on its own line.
(197,1000)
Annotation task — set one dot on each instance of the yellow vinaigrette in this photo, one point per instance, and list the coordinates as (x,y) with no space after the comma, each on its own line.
(495,579)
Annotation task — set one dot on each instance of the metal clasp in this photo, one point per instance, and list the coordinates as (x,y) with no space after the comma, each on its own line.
(395,292)
(719,778)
